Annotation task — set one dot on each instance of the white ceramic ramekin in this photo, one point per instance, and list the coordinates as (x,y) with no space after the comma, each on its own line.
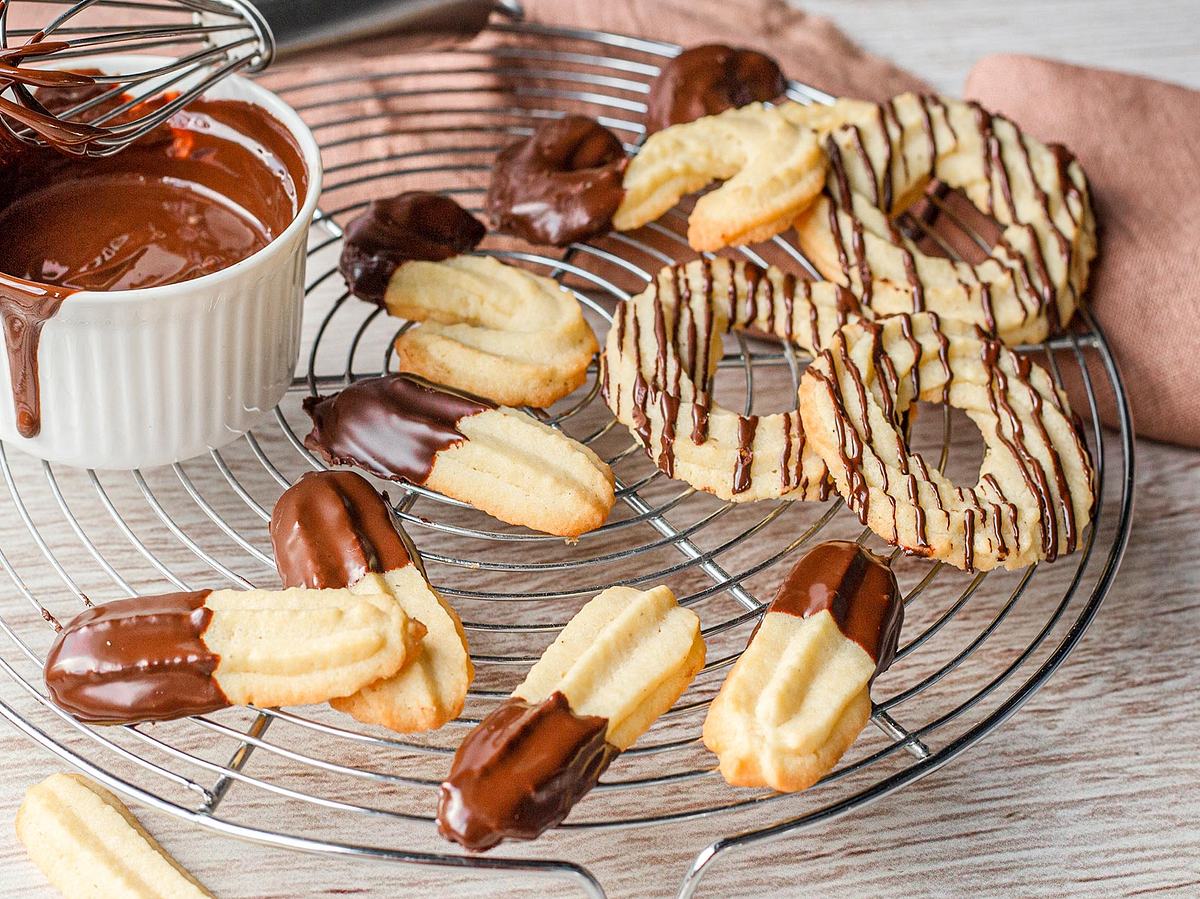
(136,378)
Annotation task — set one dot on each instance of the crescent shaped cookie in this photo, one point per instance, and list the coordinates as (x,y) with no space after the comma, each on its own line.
(332,530)
(491,329)
(500,460)
(800,694)
(619,664)
(1034,495)
(662,353)
(772,167)
(881,157)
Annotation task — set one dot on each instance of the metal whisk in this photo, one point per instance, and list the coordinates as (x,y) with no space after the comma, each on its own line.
(100,112)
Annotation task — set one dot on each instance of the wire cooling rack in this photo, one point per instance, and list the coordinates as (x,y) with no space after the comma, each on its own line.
(974,647)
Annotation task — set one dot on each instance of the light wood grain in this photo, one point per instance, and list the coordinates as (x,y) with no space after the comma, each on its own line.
(1090,790)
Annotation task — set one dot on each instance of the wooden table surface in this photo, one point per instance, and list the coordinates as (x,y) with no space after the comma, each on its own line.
(1091,789)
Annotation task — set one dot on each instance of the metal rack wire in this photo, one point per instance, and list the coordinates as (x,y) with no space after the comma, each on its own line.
(974,648)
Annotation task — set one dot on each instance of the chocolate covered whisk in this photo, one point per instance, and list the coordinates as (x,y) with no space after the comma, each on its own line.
(45,44)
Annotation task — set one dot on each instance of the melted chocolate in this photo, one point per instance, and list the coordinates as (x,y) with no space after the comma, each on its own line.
(709,79)
(25,307)
(392,427)
(559,185)
(140,659)
(416,224)
(211,187)
(856,587)
(31,112)
(330,528)
(520,772)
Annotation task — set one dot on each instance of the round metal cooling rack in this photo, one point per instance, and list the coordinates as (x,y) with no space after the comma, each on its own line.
(974,649)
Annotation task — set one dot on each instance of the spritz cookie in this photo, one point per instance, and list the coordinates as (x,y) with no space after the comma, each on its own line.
(772,170)
(331,530)
(491,329)
(90,846)
(153,658)
(500,460)
(619,664)
(800,694)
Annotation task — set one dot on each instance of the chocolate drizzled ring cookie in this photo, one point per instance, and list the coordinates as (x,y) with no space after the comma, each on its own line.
(662,353)
(1035,490)
(881,158)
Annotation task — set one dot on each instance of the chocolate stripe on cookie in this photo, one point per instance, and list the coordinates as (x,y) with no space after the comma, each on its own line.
(153,658)
(799,695)
(497,459)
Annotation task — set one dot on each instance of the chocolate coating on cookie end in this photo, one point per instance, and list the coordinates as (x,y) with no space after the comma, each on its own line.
(709,79)
(392,427)
(331,528)
(561,184)
(139,659)
(520,772)
(416,224)
(856,587)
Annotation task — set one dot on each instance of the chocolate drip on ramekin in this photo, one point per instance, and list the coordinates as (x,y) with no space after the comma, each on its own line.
(414,225)
(707,80)
(559,185)
(139,659)
(211,187)
(856,587)
(520,771)
(392,427)
(331,528)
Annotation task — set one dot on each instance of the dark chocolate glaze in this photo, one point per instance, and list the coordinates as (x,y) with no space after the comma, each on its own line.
(856,587)
(28,109)
(520,771)
(709,79)
(25,307)
(330,528)
(212,186)
(416,224)
(140,659)
(561,184)
(392,427)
